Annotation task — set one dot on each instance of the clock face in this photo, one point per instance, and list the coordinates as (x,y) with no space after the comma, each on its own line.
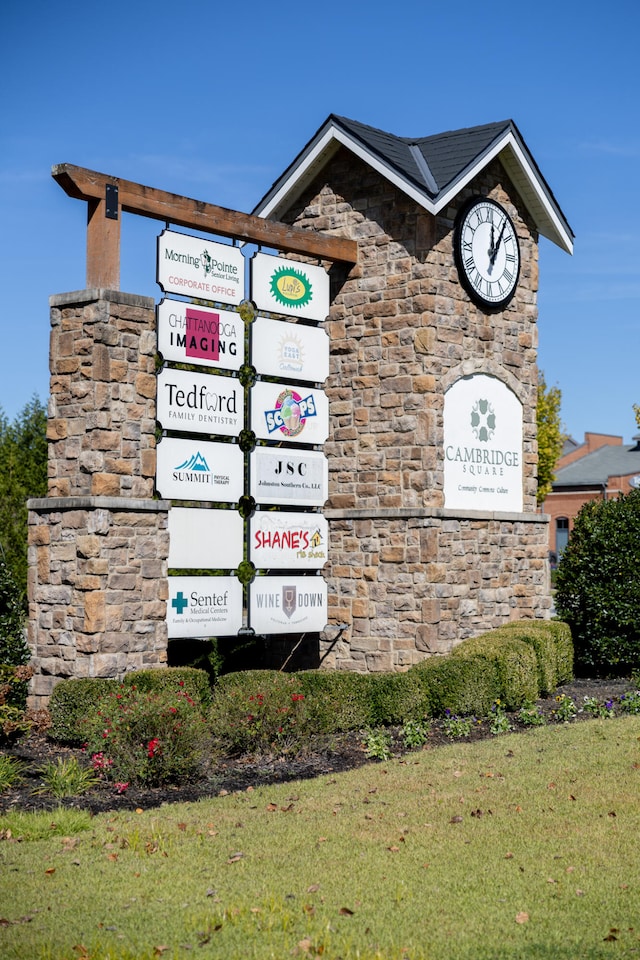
(487,253)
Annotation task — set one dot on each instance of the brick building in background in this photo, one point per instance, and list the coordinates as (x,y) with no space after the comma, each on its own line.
(599,468)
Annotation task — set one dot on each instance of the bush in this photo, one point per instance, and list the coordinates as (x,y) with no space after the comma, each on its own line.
(148,738)
(463,685)
(515,663)
(193,681)
(598,587)
(13,646)
(258,710)
(13,695)
(73,700)
(551,642)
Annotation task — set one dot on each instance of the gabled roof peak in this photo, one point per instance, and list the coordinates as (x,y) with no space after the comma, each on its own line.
(432,169)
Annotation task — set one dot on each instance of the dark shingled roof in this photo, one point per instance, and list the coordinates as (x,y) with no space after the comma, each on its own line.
(595,468)
(431,169)
(444,154)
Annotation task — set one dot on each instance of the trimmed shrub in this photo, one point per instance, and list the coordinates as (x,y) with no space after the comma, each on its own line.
(598,587)
(191,680)
(465,685)
(515,662)
(551,642)
(71,702)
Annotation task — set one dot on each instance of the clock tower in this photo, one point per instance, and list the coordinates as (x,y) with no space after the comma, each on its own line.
(434,530)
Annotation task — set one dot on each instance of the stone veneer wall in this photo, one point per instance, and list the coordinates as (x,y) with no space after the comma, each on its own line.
(99,543)
(406,576)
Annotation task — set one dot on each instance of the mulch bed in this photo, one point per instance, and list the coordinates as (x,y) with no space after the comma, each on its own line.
(331,755)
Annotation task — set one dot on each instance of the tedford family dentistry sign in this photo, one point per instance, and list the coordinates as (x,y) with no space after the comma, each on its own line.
(200,402)
(482,446)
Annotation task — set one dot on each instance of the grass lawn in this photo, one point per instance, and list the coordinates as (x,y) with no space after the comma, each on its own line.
(523,846)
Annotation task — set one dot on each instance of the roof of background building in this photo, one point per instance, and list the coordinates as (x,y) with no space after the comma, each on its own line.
(594,469)
(432,170)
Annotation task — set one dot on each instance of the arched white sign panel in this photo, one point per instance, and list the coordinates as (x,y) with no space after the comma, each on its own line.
(482,446)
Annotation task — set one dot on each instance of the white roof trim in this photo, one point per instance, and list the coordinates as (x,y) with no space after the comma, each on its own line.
(524,175)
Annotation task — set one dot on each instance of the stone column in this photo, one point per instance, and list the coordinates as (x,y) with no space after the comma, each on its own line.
(99,543)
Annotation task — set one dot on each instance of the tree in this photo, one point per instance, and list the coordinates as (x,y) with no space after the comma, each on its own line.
(550,435)
(598,588)
(636,410)
(23,474)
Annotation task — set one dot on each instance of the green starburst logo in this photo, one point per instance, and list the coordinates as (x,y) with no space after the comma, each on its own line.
(290,287)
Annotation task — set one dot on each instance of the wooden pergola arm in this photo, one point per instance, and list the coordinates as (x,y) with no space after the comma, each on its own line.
(103,231)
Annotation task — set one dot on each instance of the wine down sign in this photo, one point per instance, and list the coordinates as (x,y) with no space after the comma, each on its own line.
(281,413)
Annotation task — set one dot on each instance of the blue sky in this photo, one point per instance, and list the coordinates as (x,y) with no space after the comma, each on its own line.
(213,101)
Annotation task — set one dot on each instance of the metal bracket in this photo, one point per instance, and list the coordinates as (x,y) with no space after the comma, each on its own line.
(111,201)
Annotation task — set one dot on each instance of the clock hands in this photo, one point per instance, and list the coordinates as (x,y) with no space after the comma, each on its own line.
(493,251)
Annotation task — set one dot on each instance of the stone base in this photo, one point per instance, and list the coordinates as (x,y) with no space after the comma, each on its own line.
(97,588)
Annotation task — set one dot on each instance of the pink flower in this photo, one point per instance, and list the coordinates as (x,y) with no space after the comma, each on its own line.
(120,787)
(152,746)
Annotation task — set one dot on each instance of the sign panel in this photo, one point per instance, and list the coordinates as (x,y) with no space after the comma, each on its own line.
(204,539)
(200,335)
(204,607)
(290,287)
(200,402)
(288,477)
(200,268)
(283,349)
(288,604)
(288,541)
(288,413)
(482,446)
(199,470)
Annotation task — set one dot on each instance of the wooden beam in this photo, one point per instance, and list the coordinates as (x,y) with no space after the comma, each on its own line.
(103,235)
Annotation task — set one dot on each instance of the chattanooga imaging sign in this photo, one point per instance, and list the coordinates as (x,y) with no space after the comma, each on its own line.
(482,446)
(200,268)
(204,607)
(200,335)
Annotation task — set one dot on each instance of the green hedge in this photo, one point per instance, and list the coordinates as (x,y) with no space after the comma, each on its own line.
(254,709)
(75,699)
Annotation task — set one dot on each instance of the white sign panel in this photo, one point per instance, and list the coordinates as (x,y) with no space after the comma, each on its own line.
(284,476)
(289,287)
(288,604)
(204,607)
(200,402)
(288,541)
(289,350)
(200,335)
(204,539)
(199,470)
(482,446)
(200,268)
(290,413)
